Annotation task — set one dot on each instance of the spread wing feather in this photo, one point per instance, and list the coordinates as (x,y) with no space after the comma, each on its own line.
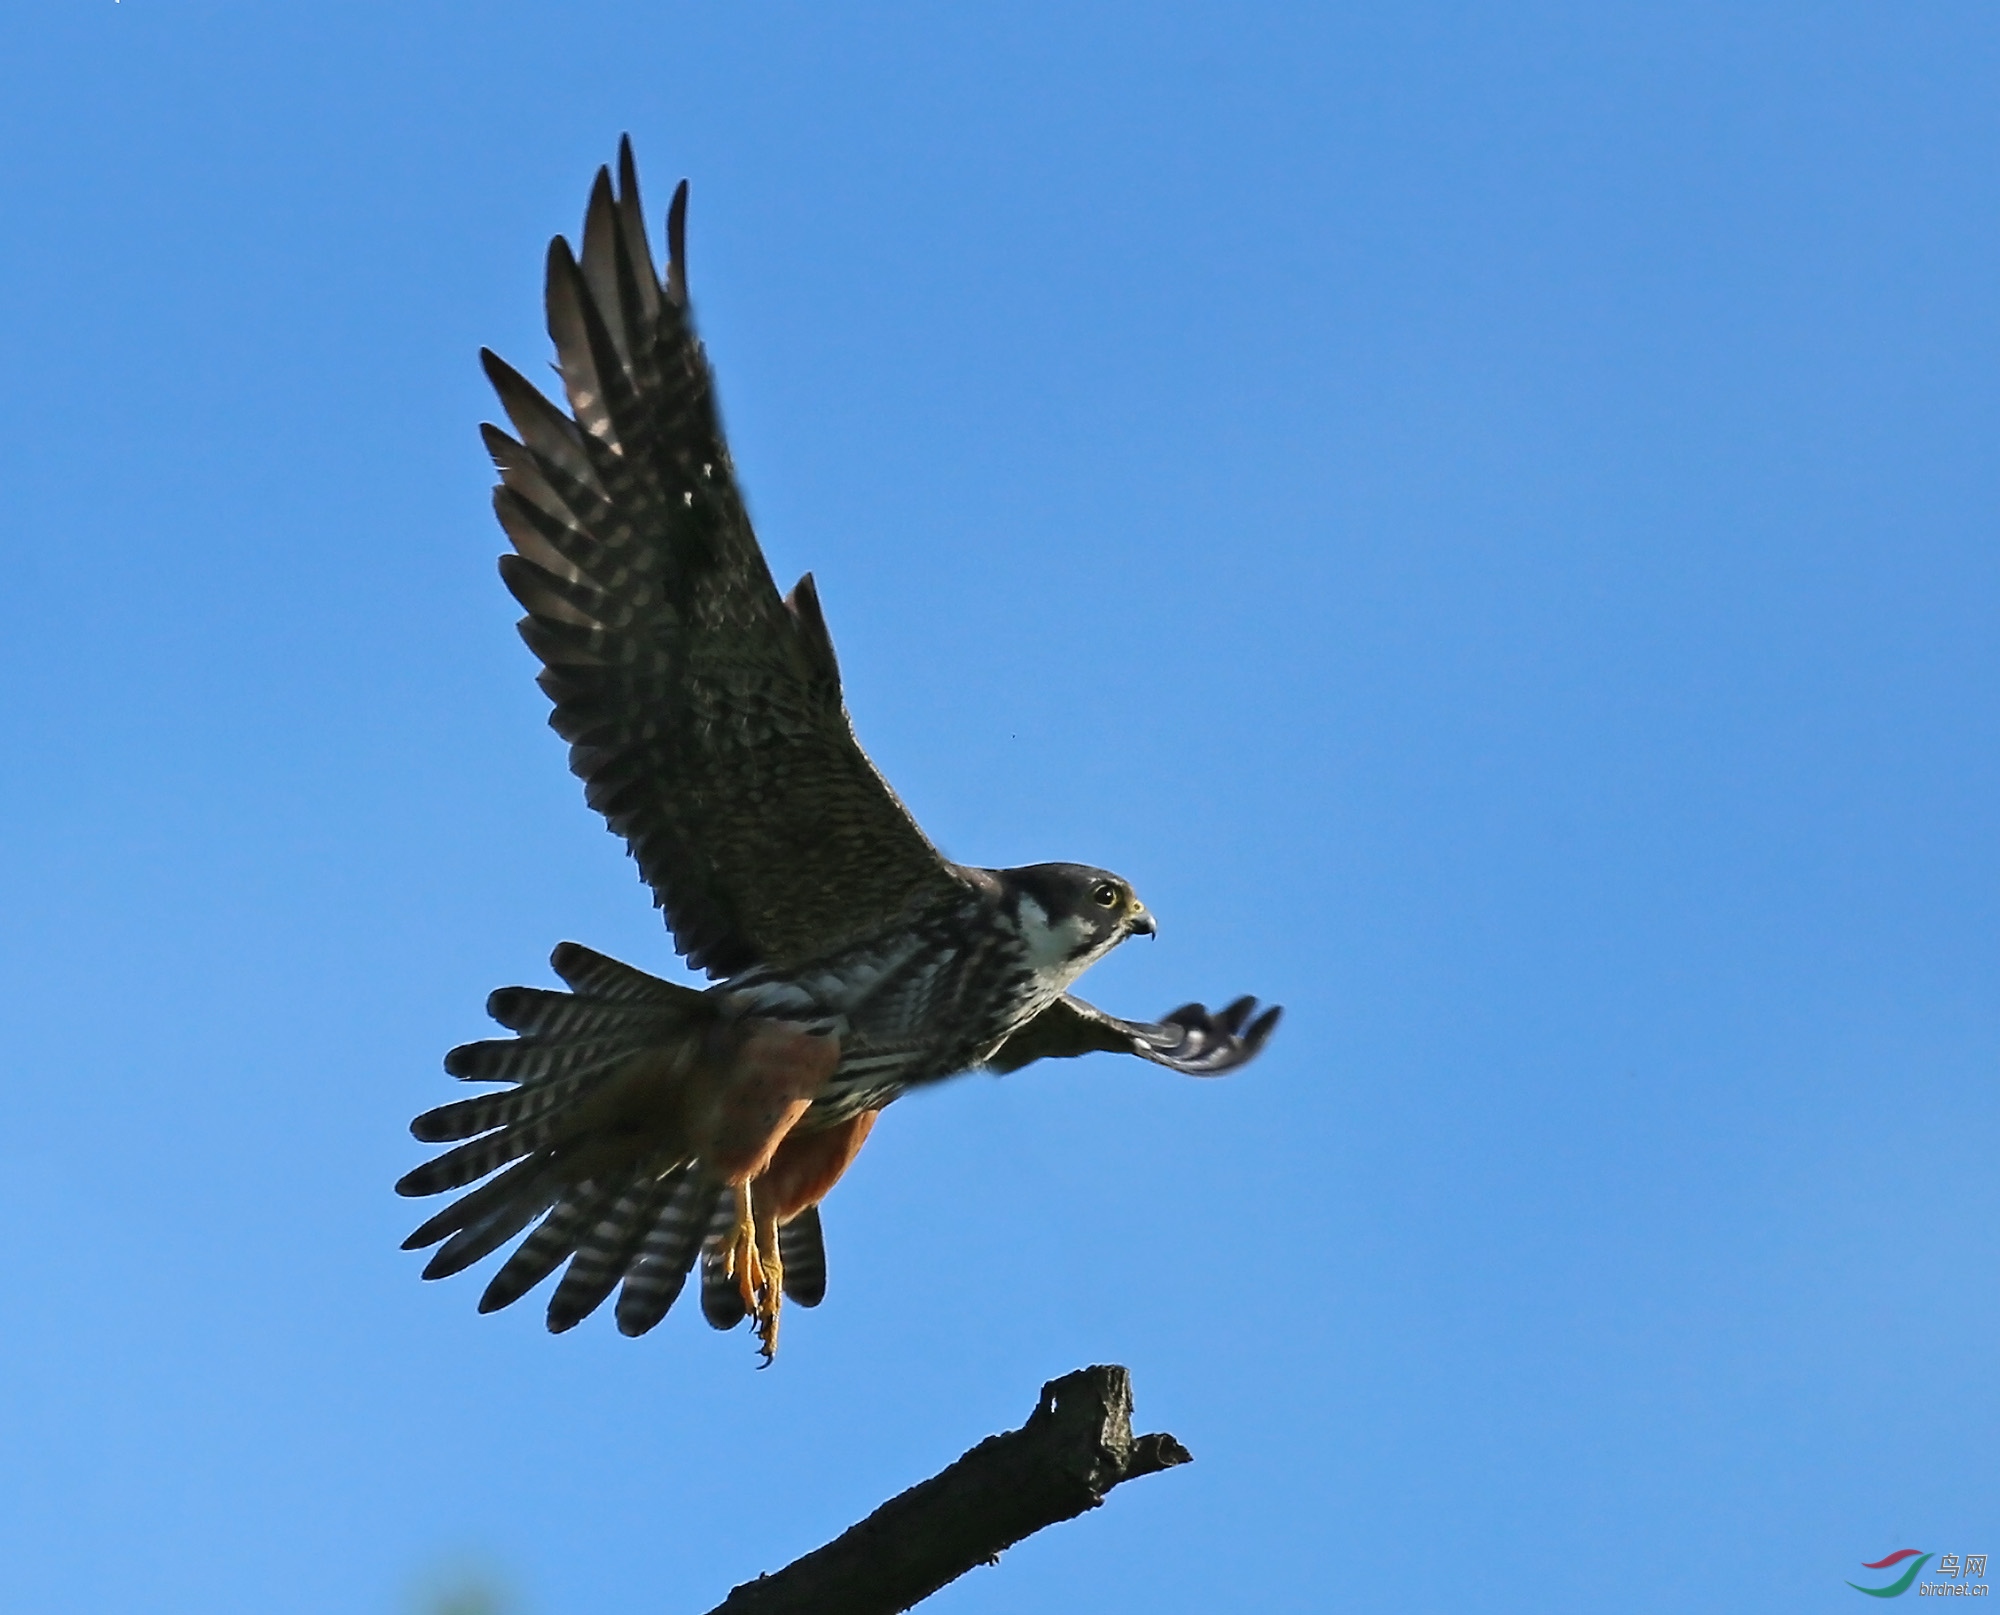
(703,712)
(1191,1039)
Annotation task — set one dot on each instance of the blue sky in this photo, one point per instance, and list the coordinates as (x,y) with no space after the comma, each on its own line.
(1484,513)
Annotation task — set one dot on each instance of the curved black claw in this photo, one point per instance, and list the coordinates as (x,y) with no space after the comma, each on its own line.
(1191,1039)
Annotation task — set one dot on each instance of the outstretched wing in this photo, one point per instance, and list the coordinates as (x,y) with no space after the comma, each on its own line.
(704,714)
(1190,1039)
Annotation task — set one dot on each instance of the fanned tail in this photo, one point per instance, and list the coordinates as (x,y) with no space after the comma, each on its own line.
(590,1137)
(637,1118)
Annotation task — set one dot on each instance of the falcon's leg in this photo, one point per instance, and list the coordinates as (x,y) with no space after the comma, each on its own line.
(739,1255)
(773,1267)
(751,1259)
(770,1086)
(742,1258)
(799,1174)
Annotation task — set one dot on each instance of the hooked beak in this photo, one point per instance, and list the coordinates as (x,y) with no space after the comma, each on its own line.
(1140,923)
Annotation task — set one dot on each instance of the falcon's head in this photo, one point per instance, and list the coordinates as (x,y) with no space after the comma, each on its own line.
(1070,915)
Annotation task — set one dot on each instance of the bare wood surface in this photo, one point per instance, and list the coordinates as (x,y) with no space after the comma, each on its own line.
(1075,1447)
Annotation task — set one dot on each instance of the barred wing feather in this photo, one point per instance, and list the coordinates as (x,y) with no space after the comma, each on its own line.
(704,713)
(1191,1039)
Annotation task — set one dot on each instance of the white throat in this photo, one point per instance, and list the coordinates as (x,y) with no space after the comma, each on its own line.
(1058,950)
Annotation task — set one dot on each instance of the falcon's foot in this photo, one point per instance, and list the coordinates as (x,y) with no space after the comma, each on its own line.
(765,1315)
(751,1258)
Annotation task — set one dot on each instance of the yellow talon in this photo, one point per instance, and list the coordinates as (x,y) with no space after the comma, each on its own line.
(740,1260)
(751,1259)
(774,1289)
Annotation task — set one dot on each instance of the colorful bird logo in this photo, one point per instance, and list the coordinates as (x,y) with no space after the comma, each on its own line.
(1901,1584)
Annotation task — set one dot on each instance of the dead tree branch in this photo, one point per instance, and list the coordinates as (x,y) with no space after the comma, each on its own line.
(1075,1447)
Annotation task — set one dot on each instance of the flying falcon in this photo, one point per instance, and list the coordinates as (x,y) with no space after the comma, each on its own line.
(647,1125)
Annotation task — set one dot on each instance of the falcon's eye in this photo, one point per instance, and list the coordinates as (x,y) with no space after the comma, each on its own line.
(1104,894)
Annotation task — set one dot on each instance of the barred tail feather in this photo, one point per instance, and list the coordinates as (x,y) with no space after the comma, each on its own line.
(527,1061)
(470,1162)
(598,975)
(603,1251)
(543,1251)
(544,1012)
(803,1251)
(721,1296)
(466,1118)
(610,1204)
(500,1222)
(655,1276)
(478,1205)
(591,1149)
